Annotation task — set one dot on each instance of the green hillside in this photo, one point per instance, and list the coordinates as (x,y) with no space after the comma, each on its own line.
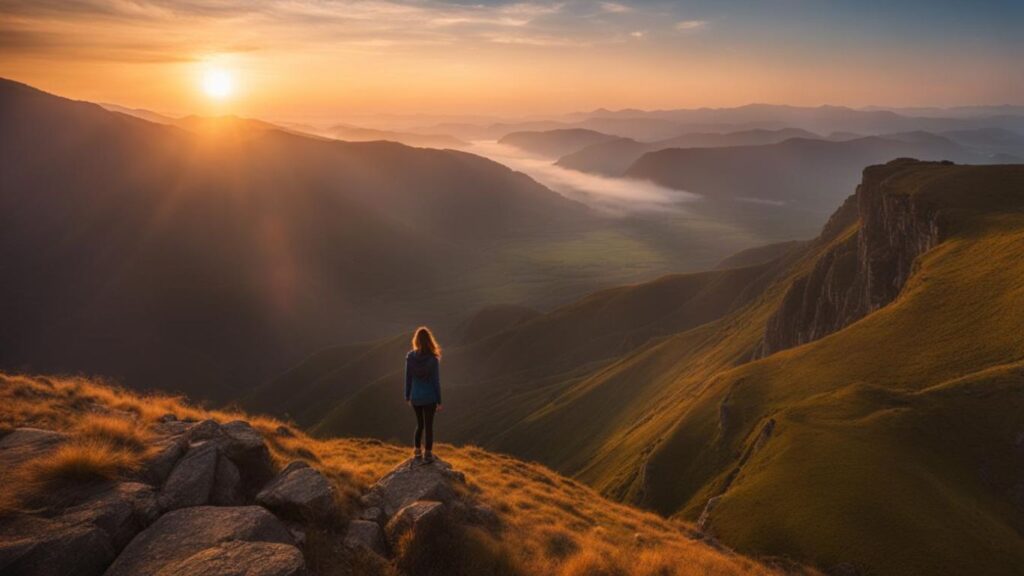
(891,445)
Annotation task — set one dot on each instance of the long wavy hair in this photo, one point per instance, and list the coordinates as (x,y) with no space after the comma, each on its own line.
(423,342)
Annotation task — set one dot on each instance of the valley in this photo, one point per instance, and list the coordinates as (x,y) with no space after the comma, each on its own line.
(696,388)
(265,240)
(790,358)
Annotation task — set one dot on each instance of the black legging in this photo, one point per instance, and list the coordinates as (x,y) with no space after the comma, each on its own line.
(425,415)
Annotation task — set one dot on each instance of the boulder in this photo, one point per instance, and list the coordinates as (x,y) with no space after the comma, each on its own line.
(157,467)
(299,492)
(205,430)
(122,511)
(178,536)
(191,481)
(412,481)
(367,535)
(416,519)
(173,429)
(24,444)
(240,559)
(243,441)
(244,445)
(226,483)
(373,514)
(32,546)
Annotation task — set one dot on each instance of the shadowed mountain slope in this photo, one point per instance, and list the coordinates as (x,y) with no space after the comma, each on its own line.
(900,432)
(555,143)
(136,250)
(812,175)
(613,158)
(760,254)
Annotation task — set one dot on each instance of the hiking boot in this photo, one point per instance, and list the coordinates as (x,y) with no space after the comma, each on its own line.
(417,455)
(429,457)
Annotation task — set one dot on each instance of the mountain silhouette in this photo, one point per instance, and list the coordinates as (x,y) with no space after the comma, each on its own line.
(613,158)
(554,143)
(136,250)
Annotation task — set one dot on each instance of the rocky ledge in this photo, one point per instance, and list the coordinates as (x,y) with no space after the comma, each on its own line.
(411,502)
(209,501)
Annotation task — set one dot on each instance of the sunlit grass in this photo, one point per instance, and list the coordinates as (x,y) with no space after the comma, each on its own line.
(551,524)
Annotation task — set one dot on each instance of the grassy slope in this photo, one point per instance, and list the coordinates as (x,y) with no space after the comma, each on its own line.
(554,525)
(495,383)
(894,443)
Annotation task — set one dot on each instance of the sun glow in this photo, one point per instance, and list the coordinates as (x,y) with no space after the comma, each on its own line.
(218,84)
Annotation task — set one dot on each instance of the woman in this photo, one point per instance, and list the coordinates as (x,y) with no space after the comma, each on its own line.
(423,386)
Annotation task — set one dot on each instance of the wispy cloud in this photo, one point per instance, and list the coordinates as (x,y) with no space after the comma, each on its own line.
(615,7)
(133,30)
(690,24)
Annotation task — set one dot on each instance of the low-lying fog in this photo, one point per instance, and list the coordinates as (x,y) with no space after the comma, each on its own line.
(611,195)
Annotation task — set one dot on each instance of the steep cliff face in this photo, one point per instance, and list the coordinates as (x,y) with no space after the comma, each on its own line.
(867,264)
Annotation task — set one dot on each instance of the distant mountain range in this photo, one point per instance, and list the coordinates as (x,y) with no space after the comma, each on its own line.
(344,132)
(360,134)
(810,174)
(652,125)
(614,156)
(555,143)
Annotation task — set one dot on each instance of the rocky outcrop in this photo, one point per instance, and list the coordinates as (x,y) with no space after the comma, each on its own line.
(210,463)
(191,480)
(414,500)
(177,537)
(298,492)
(121,511)
(207,501)
(414,520)
(863,271)
(366,534)
(32,546)
(23,444)
(238,558)
(414,480)
(161,521)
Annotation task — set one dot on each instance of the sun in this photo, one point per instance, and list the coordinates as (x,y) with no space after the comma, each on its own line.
(218,84)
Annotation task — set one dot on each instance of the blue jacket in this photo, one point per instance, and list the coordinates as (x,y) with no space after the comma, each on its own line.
(422,379)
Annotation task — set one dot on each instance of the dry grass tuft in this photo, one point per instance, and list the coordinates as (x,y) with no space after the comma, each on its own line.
(78,461)
(121,432)
(592,563)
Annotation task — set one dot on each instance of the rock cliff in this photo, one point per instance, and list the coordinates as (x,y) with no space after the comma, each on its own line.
(872,242)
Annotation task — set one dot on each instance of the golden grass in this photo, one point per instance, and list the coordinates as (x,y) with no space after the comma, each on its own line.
(46,480)
(551,524)
(81,460)
(124,433)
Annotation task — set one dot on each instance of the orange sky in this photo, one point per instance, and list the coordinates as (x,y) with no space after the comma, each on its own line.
(320,59)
